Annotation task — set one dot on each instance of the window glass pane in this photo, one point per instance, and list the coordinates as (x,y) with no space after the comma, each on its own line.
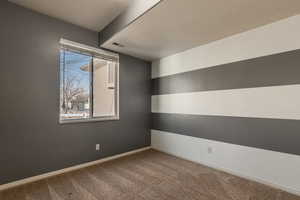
(104,88)
(75,85)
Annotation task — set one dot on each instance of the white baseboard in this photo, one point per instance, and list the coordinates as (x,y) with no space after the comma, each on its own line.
(280,187)
(275,169)
(65,170)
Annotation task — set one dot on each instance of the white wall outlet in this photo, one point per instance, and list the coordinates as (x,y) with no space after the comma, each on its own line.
(97,147)
(209,150)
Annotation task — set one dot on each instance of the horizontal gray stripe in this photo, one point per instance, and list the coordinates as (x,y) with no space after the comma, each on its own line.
(271,134)
(278,69)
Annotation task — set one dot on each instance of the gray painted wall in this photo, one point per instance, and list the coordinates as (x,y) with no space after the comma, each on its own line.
(271,133)
(273,70)
(32,141)
(252,132)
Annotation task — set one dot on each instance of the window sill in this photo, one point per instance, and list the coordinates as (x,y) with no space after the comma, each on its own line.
(96,119)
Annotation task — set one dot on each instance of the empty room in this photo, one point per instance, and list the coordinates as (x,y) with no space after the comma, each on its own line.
(150,100)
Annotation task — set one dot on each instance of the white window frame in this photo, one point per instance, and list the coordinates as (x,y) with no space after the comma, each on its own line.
(98,53)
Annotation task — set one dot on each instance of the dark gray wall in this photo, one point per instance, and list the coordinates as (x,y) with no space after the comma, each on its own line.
(32,141)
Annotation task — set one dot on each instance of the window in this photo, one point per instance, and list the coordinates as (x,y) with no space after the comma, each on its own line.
(88,83)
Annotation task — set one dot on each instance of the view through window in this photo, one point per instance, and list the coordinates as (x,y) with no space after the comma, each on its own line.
(88,86)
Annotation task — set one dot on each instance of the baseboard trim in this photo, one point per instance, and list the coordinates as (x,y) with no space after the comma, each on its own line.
(69,169)
(252,178)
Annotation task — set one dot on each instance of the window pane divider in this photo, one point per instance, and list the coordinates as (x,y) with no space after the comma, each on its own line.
(92,89)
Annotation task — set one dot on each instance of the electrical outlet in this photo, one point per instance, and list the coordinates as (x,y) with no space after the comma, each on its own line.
(97,147)
(209,150)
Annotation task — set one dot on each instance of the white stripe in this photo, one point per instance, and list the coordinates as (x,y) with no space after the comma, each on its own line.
(276,169)
(282,102)
(270,39)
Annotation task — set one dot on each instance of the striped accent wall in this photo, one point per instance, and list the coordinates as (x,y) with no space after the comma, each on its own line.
(243,90)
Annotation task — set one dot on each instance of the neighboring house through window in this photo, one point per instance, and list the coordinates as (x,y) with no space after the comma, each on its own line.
(89,89)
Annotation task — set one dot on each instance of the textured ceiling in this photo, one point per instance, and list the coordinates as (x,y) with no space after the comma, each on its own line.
(91,14)
(176,25)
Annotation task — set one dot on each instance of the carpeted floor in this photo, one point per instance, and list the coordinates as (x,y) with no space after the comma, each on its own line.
(149,175)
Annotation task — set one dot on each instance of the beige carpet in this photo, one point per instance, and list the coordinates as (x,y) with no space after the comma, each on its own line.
(149,175)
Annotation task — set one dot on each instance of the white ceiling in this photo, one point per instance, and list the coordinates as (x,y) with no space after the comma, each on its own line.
(91,14)
(177,25)
(170,27)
